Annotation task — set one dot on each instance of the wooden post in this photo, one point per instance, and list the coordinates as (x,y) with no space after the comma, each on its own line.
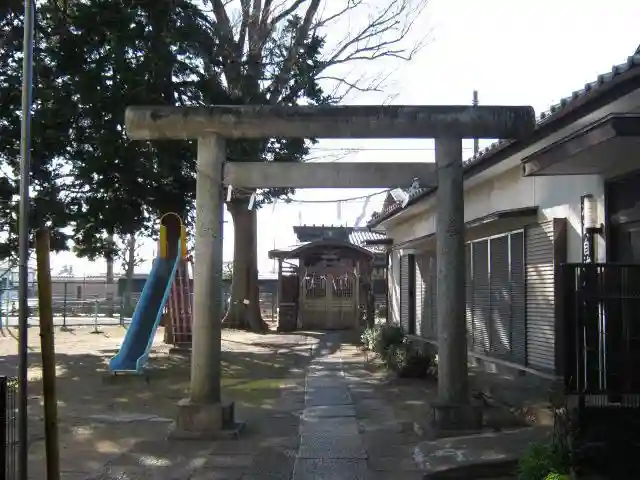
(48,355)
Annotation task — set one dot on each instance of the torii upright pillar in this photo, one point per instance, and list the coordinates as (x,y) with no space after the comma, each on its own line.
(201,414)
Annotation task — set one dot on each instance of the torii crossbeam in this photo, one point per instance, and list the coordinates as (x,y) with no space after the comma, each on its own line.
(200,414)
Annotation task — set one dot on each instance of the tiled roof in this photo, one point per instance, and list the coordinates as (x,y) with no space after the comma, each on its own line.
(360,235)
(554,112)
(357,236)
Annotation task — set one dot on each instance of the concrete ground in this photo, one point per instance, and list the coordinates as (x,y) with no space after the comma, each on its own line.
(314,409)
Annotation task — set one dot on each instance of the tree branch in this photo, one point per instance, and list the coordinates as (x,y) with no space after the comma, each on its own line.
(301,35)
(230,50)
(385,35)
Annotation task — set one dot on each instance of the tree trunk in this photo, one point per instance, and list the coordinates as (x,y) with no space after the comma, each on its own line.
(110,281)
(130,269)
(244,309)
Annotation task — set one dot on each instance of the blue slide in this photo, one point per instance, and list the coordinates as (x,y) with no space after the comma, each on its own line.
(138,340)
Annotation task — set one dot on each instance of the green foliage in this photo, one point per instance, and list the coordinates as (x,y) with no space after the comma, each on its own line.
(381,337)
(543,461)
(390,343)
(412,363)
(92,60)
(52,108)
(557,476)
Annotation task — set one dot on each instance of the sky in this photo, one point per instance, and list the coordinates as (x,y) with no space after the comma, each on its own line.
(511,52)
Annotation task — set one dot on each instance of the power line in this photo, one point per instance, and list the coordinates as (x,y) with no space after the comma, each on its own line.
(375,149)
(339,200)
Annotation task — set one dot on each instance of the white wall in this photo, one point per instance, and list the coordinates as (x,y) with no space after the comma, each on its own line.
(556,197)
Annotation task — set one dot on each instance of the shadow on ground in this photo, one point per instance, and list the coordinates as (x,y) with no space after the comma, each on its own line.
(107,421)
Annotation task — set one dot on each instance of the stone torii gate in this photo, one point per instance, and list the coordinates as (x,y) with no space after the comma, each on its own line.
(201,414)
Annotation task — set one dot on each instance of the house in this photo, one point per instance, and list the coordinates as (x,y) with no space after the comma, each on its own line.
(334,281)
(531,206)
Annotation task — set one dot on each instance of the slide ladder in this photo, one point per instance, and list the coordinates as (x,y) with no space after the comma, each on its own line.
(180,307)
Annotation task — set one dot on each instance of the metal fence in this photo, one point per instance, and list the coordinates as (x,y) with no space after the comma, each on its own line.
(84,302)
(601,340)
(73,305)
(602,332)
(8,415)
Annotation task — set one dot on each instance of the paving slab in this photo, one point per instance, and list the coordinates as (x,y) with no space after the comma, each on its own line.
(325,368)
(328,396)
(334,426)
(471,453)
(330,469)
(325,382)
(329,411)
(327,445)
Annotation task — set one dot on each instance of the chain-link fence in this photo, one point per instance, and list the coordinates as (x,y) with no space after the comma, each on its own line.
(8,416)
(88,301)
(76,302)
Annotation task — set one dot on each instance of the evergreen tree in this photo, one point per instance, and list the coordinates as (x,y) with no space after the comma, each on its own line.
(53,109)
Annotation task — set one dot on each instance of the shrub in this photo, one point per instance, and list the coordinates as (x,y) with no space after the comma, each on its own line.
(415,364)
(379,338)
(391,345)
(543,462)
(557,476)
(367,338)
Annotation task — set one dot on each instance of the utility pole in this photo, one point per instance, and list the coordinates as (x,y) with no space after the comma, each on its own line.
(24,234)
(476,141)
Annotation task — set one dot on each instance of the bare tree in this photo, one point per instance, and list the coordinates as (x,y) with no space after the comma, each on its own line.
(129,257)
(261,52)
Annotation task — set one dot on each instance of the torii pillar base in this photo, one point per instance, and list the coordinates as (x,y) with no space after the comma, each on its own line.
(456,418)
(205,421)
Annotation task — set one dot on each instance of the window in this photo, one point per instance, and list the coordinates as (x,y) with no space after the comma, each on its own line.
(496,295)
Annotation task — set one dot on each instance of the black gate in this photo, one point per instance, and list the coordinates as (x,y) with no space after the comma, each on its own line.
(8,414)
(601,330)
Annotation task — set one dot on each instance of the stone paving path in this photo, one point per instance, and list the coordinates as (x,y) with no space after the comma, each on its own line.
(330,444)
(333,442)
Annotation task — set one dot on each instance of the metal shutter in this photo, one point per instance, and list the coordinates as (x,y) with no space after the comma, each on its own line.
(469,295)
(540,296)
(481,296)
(419,294)
(500,293)
(429,328)
(404,292)
(433,295)
(518,309)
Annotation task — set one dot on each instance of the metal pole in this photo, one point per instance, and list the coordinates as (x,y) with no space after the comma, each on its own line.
(64,307)
(95,317)
(4,437)
(25,169)
(476,141)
